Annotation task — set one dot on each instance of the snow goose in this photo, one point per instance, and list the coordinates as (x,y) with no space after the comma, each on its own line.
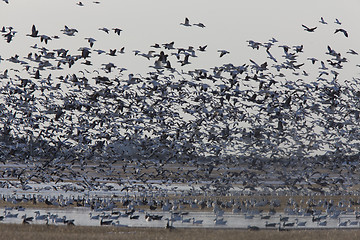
(91,41)
(34,32)
(186,23)
(300,224)
(342,224)
(196,222)
(105,223)
(309,29)
(220,221)
(199,25)
(337,21)
(267,224)
(45,38)
(343,31)
(202,48)
(351,51)
(322,21)
(104,29)
(223,52)
(117,31)
(69,31)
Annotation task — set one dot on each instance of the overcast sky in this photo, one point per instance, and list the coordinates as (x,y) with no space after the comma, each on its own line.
(229,24)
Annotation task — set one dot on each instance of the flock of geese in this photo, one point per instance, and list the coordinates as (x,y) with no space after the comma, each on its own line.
(291,118)
(274,108)
(312,213)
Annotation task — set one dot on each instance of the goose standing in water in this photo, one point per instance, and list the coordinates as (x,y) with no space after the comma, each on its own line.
(117,224)
(40,217)
(26,220)
(353,223)
(220,221)
(10,215)
(94,217)
(300,224)
(187,220)
(196,222)
(342,224)
(169,225)
(267,224)
(106,222)
(323,223)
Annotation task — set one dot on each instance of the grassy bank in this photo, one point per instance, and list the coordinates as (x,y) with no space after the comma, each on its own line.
(38,232)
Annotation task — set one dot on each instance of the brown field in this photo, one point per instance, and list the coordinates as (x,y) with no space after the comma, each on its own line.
(38,232)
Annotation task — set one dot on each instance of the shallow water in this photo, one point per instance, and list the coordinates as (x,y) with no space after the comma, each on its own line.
(81,217)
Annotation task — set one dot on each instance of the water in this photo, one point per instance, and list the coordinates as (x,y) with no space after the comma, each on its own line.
(82,218)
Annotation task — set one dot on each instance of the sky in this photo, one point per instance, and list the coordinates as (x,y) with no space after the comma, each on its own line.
(229,24)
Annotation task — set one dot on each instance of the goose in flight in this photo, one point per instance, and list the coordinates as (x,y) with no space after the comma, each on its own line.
(169,46)
(323,67)
(273,40)
(271,56)
(254,45)
(223,52)
(105,30)
(199,25)
(156,45)
(313,60)
(91,41)
(322,21)
(69,31)
(147,55)
(122,50)
(9,36)
(117,31)
(185,61)
(202,48)
(309,29)
(34,32)
(186,23)
(353,52)
(45,38)
(343,31)
(337,21)
(299,48)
